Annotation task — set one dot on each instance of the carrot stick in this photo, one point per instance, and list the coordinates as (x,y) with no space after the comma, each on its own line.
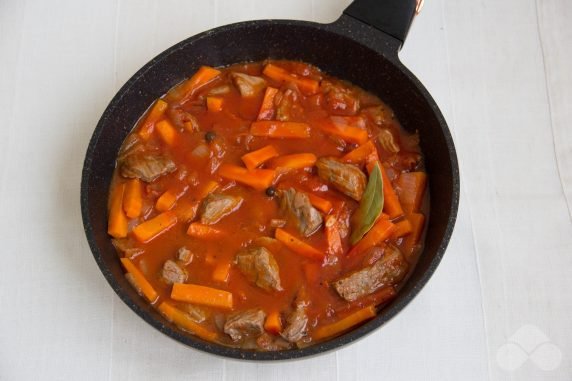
(267,107)
(343,130)
(167,132)
(139,280)
(391,204)
(320,203)
(306,85)
(298,246)
(214,104)
(344,324)
(166,201)
(277,129)
(402,228)
(207,296)
(221,272)
(417,221)
(132,198)
(411,187)
(256,158)
(152,228)
(359,154)
(333,236)
(184,321)
(378,233)
(258,179)
(295,161)
(198,230)
(273,323)
(117,222)
(203,76)
(156,112)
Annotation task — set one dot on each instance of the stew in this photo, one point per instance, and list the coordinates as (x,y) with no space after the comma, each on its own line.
(268,205)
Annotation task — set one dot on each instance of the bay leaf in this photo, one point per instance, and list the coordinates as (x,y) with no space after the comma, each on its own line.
(370,206)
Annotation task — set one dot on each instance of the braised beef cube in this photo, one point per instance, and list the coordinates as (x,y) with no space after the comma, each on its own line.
(268,342)
(296,205)
(173,273)
(259,267)
(387,271)
(217,206)
(184,255)
(249,323)
(296,325)
(346,178)
(248,85)
(183,119)
(146,166)
(126,247)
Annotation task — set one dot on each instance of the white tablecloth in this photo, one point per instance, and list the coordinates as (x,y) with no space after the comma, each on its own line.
(498,308)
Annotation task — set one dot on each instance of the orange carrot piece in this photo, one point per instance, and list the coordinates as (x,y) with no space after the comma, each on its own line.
(320,203)
(417,221)
(156,112)
(258,179)
(391,204)
(139,279)
(207,296)
(152,228)
(166,201)
(295,161)
(267,107)
(344,324)
(167,132)
(256,158)
(306,85)
(199,230)
(333,236)
(203,76)
(360,154)
(380,231)
(273,323)
(184,321)
(222,272)
(132,198)
(117,222)
(411,188)
(298,246)
(344,131)
(402,228)
(278,129)
(214,104)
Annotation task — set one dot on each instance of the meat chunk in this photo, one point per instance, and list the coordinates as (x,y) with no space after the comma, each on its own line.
(184,255)
(260,268)
(173,273)
(249,323)
(183,119)
(268,342)
(248,85)
(385,272)
(296,325)
(146,166)
(126,247)
(296,205)
(288,106)
(217,206)
(196,313)
(346,178)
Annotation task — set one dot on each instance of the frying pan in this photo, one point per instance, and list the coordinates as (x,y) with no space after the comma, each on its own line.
(362,47)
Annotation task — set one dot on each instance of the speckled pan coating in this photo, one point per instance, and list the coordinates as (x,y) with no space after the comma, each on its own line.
(347,49)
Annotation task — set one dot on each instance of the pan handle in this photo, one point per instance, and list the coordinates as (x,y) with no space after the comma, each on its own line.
(392,17)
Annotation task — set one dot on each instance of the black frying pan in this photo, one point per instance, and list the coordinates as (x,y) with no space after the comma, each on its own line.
(361,46)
